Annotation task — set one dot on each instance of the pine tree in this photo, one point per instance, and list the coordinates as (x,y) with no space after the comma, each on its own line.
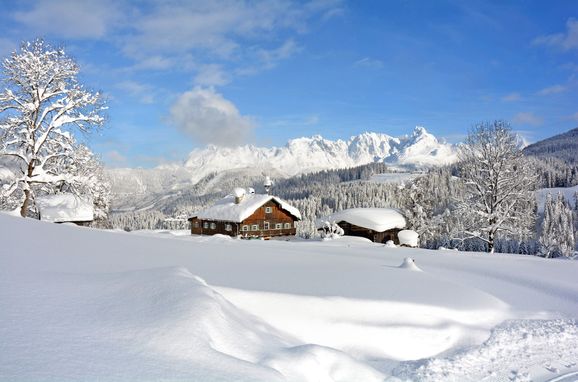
(557,233)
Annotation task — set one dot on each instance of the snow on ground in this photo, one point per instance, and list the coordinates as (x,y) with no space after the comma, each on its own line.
(542,193)
(83,304)
(395,177)
(64,208)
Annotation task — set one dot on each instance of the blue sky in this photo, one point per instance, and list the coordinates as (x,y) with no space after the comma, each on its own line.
(183,74)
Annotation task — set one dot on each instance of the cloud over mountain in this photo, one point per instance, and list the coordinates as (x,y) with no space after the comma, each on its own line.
(209,118)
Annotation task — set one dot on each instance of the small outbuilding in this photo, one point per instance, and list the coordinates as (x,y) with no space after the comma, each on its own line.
(249,215)
(376,224)
(65,208)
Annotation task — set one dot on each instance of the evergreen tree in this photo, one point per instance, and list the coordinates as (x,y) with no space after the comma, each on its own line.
(557,233)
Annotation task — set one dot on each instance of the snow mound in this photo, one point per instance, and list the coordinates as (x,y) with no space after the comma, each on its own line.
(517,350)
(409,263)
(390,244)
(64,208)
(408,237)
(312,363)
(130,326)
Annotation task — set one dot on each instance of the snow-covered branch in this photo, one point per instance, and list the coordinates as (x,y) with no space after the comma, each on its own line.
(44,104)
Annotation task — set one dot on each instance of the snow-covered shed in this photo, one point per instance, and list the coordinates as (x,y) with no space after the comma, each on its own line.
(65,208)
(377,224)
(247,214)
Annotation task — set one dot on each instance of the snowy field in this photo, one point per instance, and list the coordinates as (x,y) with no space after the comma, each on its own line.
(568,193)
(394,177)
(84,305)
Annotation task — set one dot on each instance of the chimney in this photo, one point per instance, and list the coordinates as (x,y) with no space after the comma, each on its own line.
(239,193)
(267,184)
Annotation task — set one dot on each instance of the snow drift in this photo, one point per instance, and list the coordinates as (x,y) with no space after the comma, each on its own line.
(82,304)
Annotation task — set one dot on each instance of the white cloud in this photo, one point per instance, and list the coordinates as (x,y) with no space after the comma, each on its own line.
(246,37)
(143,92)
(565,41)
(552,90)
(208,117)
(114,158)
(211,75)
(367,62)
(70,18)
(270,58)
(528,118)
(155,62)
(218,28)
(512,97)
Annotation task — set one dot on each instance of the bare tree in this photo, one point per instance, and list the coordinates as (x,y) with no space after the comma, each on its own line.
(499,197)
(41,105)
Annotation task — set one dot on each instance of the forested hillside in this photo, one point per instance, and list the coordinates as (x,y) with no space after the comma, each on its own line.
(563,146)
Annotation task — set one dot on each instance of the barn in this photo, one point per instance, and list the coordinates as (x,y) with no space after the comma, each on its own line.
(376,224)
(249,215)
(65,208)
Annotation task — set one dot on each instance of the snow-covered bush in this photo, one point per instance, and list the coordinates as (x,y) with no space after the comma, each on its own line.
(331,230)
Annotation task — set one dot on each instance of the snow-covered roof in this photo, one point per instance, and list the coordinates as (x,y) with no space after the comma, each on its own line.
(227,210)
(64,208)
(377,219)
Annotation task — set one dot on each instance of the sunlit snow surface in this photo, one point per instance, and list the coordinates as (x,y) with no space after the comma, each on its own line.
(80,304)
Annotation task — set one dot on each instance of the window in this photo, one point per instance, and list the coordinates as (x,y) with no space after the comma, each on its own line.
(266,225)
(213,226)
(205,225)
(287,225)
(228,227)
(268,210)
(245,228)
(278,226)
(255,227)
(196,224)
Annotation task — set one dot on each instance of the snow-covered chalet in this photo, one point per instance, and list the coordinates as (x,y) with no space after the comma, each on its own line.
(247,214)
(376,224)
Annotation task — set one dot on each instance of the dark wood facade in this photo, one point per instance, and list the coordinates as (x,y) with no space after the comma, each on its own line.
(377,237)
(266,221)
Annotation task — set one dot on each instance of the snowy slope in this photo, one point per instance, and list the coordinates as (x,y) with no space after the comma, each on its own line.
(81,304)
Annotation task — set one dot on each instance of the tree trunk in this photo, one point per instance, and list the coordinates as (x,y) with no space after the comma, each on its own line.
(27,193)
(491,242)
(25,204)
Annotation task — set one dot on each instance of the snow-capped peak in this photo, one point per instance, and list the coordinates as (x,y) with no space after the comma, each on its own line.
(317,153)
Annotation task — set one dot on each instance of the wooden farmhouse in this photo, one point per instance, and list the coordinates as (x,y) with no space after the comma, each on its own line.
(65,208)
(376,224)
(249,215)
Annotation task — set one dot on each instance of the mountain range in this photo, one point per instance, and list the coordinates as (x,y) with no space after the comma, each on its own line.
(302,155)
